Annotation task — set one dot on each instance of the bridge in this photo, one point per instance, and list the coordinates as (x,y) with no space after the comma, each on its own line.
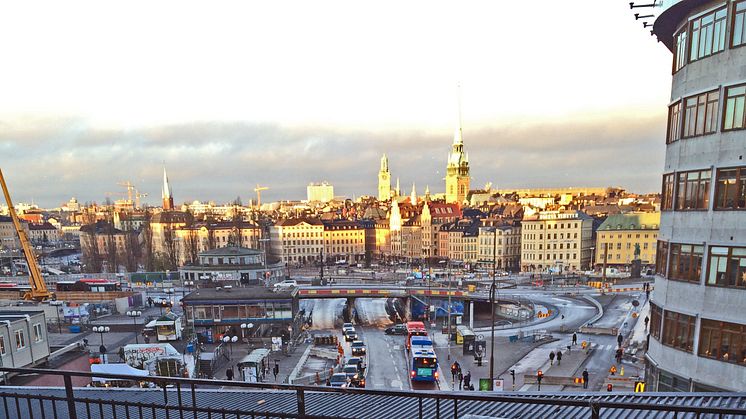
(374,291)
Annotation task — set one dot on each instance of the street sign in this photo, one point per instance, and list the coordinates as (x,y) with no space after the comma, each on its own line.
(498,385)
(639,386)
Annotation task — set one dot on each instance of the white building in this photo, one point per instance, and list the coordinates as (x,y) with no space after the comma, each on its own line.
(320,192)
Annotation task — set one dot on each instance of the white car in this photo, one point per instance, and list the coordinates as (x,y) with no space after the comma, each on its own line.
(286,284)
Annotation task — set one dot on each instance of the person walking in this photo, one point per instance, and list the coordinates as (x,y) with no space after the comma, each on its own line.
(647,320)
(574,339)
(551,358)
(559,357)
(467,381)
(229,374)
(585,378)
(619,339)
(460,377)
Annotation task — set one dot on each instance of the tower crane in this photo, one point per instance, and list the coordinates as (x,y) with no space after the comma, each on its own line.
(39,291)
(139,195)
(258,191)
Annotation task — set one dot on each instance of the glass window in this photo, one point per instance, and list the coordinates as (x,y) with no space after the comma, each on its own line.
(679,53)
(678,330)
(20,340)
(730,190)
(700,114)
(667,194)
(656,316)
(38,334)
(693,190)
(727,267)
(739,24)
(722,340)
(708,34)
(2,345)
(733,111)
(674,122)
(686,262)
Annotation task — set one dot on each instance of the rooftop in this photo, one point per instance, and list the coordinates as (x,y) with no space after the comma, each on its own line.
(231,251)
(235,293)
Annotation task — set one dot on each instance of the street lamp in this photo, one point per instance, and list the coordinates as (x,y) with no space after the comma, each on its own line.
(135,314)
(57,304)
(101,330)
(187,284)
(230,340)
(493,288)
(245,327)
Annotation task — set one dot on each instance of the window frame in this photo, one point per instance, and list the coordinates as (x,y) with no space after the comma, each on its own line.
(680,49)
(700,18)
(673,134)
(728,265)
(38,333)
(668,204)
(678,320)
(691,275)
(740,178)
(732,20)
(702,102)
(725,106)
(20,343)
(656,327)
(714,330)
(705,196)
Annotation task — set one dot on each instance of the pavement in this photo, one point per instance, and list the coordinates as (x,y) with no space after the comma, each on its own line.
(286,362)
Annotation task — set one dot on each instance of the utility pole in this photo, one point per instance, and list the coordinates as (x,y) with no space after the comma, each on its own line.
(448,266)
(606,255)
(493,288)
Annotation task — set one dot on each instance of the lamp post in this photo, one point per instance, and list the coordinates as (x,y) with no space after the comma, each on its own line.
(230,340)
(245,328)
(448,267)
(493,288)
(188,285)
(101,330)
(58,305)
(135,314)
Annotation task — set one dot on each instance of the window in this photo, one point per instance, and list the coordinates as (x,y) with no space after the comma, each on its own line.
(693,190)
(733,113)
(20,340)
(678,330)
(2,345)
(727,267)
(739,24)
(708,34)
(722,340)
(656,316)
(730,190)
(674,123)
(686,262)
(700,114)
(679,53)
(38,334)
(667,193)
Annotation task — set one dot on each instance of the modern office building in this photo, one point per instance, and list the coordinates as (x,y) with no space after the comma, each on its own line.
(320,192)
(698,316)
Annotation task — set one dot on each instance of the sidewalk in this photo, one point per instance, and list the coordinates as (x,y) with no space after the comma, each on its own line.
(569,367)
(286,363)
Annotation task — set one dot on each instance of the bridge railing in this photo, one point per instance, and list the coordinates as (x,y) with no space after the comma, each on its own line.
(195,398)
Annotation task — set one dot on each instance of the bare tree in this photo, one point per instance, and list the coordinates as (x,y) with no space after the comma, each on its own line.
(171,247)
(148,258)
(191,246)
(92,260)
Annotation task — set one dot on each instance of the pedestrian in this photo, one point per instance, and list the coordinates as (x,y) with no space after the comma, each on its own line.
(619,339)
(647,294)
(467,381)
(619,355)
(647,320)
(460,380)
(150,302)
(585,378)
(574,338)
(551,358)
(559,357)
(229,373)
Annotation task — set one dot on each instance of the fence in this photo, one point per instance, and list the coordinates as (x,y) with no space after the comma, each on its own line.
(182,398)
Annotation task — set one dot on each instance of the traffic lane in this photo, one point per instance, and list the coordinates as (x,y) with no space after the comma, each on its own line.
(387,367)
(616,312)
(576,312)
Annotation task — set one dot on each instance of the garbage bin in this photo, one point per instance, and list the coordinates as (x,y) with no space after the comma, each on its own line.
(74,329)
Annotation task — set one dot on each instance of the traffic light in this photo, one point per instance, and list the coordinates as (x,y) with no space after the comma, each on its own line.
(539,376)
(609,387)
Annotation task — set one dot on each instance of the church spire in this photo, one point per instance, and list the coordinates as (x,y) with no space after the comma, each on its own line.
(413,196)
(168,199)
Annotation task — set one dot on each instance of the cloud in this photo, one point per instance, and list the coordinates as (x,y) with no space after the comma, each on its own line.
(51,159)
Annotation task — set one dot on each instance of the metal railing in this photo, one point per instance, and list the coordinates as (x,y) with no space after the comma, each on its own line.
(190,398)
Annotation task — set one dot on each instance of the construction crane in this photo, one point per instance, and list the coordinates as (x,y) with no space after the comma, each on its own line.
(130,188)
(39,291)
(139,195)
(258,191)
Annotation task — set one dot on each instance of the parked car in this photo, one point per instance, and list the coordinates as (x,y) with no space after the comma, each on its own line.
(286,284)
(358,348)
(340,380)
(397,329)
(350,335)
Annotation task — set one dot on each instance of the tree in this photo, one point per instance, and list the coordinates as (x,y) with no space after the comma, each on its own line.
(191,245)
(170,247)
(148,258)
(92,260)
(112,261)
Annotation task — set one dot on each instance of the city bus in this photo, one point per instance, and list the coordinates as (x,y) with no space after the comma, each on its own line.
(423,364)
(415,329)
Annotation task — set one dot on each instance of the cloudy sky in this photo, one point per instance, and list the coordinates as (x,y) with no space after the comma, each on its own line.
(231,94)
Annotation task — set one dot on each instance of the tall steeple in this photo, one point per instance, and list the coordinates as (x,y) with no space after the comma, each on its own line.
(427,193)
(413,196)
(457,169)
(384,180)
(398,193)
(168,199)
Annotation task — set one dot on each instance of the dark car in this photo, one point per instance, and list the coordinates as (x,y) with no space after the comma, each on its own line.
(350,335)
(358,348)
(397,329)
(355,375)
(356,361)
(339,379)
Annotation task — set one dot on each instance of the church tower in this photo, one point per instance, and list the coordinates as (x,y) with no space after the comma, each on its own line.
(457,171)
(384,180)
(168,199)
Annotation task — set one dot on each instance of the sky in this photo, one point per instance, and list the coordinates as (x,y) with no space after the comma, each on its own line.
(234,94)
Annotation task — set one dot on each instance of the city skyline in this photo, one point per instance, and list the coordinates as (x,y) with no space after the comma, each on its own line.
(223,124)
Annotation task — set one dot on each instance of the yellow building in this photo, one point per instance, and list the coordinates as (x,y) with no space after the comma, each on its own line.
(344,240)
(620,233)
(557,241)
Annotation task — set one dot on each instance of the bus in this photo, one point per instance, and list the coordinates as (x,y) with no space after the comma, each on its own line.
(87,284)
(415,329)
(423,364)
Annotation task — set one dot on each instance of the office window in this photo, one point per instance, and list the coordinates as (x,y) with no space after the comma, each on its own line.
(674,123)
(656,317)
(20,340)
(730,189)
(708,34)
(739,24)
(686,262)
(733,110)
(678,330)
(38,334)
(723,340)
(693,190)
(667,192)
(679,52)
(700,114)
(727,267)
(661,258)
